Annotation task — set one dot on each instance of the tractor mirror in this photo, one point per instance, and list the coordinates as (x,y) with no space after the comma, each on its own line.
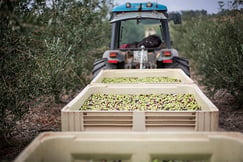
(176,17)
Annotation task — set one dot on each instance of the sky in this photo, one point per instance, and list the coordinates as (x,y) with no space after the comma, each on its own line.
(178,5)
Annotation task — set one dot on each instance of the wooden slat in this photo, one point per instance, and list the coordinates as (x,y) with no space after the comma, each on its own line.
(139,121)
(71,121)
(107,117)
(103,122)
(207,121)
(106,120)
(107,113)
(176,119)
(214,121)
(77,124)
(64,119)
(172,122)
(171,113)
(105,125)
(200,121)
(169,125)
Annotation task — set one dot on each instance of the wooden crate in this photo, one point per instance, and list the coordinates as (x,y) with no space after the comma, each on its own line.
(142,73)
(134,147)
(73,119)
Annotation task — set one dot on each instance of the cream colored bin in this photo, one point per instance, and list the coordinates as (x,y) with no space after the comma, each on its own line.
(127,73)
(134,147)
(74,119)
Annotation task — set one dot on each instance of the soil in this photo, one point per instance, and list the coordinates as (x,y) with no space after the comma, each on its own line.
(46,116)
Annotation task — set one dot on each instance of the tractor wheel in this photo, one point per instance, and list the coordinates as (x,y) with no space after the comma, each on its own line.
(98,66)
(181,63)
(102,64)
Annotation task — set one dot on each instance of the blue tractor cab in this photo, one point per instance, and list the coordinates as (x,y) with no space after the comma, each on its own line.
(144,13)
(140,39)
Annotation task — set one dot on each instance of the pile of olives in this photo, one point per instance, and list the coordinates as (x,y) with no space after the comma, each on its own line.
(141,102)
(141,80)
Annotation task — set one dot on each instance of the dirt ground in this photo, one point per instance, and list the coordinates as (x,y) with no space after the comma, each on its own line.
(47,117)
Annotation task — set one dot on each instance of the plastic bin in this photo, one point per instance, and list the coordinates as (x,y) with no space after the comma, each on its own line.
(134,147)
(143,73)
(74,119)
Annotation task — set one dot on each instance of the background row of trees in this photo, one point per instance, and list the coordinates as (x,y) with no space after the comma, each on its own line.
(214,45)
(47,48)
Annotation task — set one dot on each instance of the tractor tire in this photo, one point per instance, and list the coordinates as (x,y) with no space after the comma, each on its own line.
(181,63)
(102,64)
(178,62)
(98,66)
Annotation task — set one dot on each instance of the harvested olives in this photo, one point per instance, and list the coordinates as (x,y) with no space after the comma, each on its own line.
(140,80)
(141,102)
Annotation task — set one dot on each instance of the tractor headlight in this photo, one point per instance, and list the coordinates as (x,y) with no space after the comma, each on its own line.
(149,4)
(128,5)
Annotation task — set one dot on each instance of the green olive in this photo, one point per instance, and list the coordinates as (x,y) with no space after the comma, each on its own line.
(140,80)
(143,102)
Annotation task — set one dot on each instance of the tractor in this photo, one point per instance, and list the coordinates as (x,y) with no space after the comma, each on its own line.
(140,39)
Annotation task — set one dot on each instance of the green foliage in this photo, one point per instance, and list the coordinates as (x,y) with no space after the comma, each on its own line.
(47,50)
(214,44)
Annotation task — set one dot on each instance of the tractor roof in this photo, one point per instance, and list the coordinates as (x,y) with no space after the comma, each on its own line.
(138,15)
(131,7)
